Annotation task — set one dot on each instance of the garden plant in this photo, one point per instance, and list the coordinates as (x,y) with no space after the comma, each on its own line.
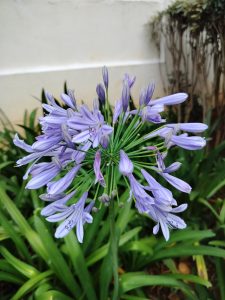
(111,168)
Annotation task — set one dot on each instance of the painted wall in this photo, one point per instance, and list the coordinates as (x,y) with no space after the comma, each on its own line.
(45,43)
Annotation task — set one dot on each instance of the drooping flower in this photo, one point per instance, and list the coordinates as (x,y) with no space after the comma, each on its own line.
(74,215)
(143,199)
(161,211)
(165,173)
(56,205)
(160,193)
(166,218)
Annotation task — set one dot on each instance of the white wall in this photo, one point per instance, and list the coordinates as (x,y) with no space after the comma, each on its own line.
(45,43)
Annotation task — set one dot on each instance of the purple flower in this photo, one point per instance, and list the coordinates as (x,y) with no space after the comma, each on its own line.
(59,186)
(66,136)
(104,141)
(166,218)
(51,198)
(101,93)
(170,100)
(146,94)
(143,200)
(125,95)
(189,127)
(125,165)
(21,144)
(46,142)
(42,173)
(105,76)
(69,99)
(161,211)
(97,170)
(75,215)
(117,111)
(188,142)
(95,105)
(168,132)
(160,193)
(129,79)
(79,155)
(174,181)
(57,205)
(90,125)
(34,154)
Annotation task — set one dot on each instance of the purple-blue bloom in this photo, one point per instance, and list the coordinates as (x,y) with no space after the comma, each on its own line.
(169,133)
(57,205)
(174,181)
(101,93)
(146,94)
(170,100)
(90,125)
(74,215)
(162,211)
(117,111)
(125,165)
(80,146)
(69,99)
(143,200)
(105,76)
(59,186)
(42,173)
(125,95)
(97,169)
(129,79)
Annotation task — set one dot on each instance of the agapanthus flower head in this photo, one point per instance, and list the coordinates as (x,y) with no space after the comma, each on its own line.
(96,152)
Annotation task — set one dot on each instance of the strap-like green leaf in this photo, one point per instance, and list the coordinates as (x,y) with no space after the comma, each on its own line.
(25,269)
(131,281)
(56,260)
(79,264)
(101,252)
(31,284)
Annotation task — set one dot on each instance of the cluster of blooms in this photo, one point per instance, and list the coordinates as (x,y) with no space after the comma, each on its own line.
(80,148)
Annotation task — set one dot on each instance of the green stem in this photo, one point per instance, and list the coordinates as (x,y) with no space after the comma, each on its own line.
(114,250)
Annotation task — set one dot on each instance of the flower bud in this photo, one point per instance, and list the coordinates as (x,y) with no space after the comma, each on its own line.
(101,93)
(105,76)
(125,165)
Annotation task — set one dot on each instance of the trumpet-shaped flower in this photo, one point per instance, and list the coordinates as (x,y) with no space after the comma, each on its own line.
(74,215)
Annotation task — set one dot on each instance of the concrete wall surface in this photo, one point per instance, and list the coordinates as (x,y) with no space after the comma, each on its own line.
(44,43)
